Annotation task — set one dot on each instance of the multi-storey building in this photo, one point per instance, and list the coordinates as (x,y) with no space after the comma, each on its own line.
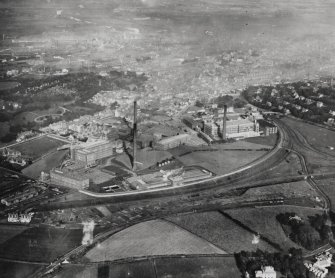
(92,151)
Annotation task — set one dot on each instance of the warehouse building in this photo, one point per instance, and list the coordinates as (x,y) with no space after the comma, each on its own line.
(69,178)
(172,142)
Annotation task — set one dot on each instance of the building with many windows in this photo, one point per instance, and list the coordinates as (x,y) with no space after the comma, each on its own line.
(90,152)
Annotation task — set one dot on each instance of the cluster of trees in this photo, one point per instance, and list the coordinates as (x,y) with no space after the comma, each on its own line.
(289,264)
(309,234)
(315,114)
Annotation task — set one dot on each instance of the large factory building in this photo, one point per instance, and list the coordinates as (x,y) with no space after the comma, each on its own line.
(92,151)
(69,178)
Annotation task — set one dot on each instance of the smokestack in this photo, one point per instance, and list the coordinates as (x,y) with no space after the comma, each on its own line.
(134,135)
(224,125)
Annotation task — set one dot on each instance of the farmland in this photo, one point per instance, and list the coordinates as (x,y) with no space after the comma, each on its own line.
(263,220)
(9,231)
(38,147)
(187,267)
(328,187)
(154,237)
(17,270)
(41,244)
(219,230)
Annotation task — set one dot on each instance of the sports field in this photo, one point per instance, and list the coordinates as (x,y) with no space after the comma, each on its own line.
(220,230)
(38,147)
(156,237)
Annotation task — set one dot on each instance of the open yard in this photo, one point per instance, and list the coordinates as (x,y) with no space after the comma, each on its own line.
(145,158)
(263,140)
(263,220)
(36,148)
(42,244)
(220,230)
(156,237)
(45,164)
(222,161)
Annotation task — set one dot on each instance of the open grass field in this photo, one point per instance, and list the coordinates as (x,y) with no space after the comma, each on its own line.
(219,230)
(328,187)
(45,164)
(17,270)
(300,189)
(38,147)
(5,85)
(224,267)
(263,220)
(263,140)
(220,162)
(176,267)
(78,272)
(9,231)
(288,167)
(41,244)
(156,237)
(318,137)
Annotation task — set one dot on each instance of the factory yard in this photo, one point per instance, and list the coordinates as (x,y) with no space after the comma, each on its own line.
(216,228)
(156,237)
(45,164)
(220,162)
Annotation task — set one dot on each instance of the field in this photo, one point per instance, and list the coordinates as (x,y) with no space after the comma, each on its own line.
(156,237)
(224,267)
(9,231)
(17,270)
(328,187)
(318,137)
(263,220)
(219,230)
(45,164)
(176,267)
(300,189)
(220,162)
(8,85)
(263,140)
(40,244)
(38,147)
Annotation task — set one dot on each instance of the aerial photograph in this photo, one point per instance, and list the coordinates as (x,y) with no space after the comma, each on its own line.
(167,138)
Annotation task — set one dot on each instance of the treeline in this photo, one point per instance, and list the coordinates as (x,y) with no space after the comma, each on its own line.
(288,264)
(309,234)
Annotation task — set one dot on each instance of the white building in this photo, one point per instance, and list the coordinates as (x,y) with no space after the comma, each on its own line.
(266,272)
